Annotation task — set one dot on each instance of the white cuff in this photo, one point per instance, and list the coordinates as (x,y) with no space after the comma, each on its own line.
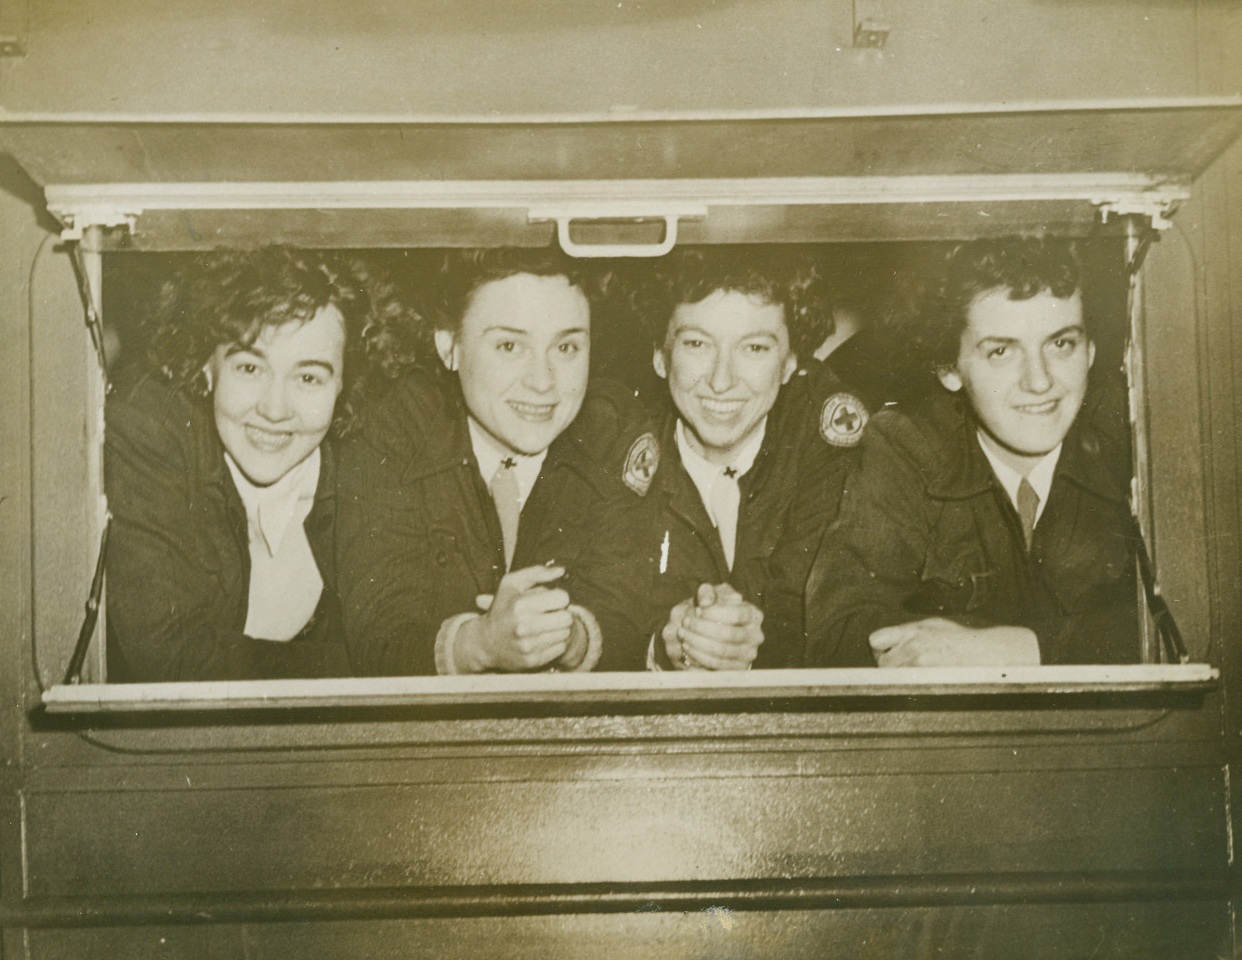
(446,639)
(595,639)
(652,662)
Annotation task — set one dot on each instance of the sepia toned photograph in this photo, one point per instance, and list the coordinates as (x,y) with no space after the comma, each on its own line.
(620,478)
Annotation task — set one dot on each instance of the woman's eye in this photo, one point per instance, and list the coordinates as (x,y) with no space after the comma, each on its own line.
(692,342)
(758,347)
(1065,344)
(311,380)
(998,353)
(506,346)
(569,348)
(246,367)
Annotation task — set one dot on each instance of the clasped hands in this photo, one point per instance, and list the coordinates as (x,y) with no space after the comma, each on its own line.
(526,625)
(717,629)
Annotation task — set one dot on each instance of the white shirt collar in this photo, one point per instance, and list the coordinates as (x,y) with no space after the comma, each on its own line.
(1039,476)
(270,509)
(489,455)
(702,471)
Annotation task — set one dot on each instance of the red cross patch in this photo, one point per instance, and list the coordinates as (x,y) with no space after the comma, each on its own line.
(641,464)
(841,420)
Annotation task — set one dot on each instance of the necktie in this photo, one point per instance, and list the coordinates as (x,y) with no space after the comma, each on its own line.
(1028,506)
(726,500)
(506,496)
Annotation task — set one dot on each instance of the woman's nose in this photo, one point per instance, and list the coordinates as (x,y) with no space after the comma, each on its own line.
(274,402)
(722,373)
(539,374)
(1035,377)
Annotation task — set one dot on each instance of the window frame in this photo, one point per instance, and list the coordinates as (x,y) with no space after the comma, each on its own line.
(108,215)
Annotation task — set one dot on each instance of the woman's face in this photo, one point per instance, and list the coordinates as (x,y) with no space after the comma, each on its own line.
(274,399)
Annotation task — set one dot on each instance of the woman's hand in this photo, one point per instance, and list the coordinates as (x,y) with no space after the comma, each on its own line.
(527,624)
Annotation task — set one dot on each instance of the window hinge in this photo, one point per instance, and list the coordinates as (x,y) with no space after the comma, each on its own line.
(76,222)
(1159,209)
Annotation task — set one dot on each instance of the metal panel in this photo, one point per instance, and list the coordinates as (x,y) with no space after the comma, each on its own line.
(1173,140)
(641,832)
(759,177)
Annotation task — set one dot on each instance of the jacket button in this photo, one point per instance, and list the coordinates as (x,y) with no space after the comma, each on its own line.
(442,558)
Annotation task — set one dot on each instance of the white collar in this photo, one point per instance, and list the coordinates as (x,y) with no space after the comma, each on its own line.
(489,455)
(270,509)
(702,471)
(1039,476)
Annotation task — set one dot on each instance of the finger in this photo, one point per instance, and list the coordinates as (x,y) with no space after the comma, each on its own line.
(678,613)
(716,658)
(530,626)
(902,655)
(543,655)
(725,593)
(672,645)
(735,613)
(543,646)
(519,581)
(731,634)
(888,637)
(705,596)
(484,601)
(540,600)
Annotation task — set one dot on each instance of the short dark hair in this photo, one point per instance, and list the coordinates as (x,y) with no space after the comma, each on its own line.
(229,296)
(787,279)
(1024,266)
(463,272)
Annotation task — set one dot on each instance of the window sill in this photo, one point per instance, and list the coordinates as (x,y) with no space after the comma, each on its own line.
(576,691)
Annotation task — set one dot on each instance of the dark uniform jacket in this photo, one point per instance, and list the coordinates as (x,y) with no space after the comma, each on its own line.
(420,538)
(926,530)
(178,555)
(788,497)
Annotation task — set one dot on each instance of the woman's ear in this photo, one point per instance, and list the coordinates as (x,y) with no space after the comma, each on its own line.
(660,363)
(446,347)
(949,378)
(791,365)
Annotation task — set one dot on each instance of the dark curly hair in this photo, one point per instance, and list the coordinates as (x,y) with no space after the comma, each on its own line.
(1024,266)
(785,278)
(228,296)
(462,272)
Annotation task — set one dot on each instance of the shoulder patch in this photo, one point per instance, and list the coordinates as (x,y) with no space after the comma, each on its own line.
(841,420)
(641,464)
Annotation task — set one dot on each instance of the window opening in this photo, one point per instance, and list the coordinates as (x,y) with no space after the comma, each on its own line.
(863,274)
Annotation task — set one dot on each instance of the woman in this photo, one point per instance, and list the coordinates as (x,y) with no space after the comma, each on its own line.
(220,483)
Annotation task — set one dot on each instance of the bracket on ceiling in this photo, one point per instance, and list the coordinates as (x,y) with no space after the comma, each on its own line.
(76,222)
(1158,209)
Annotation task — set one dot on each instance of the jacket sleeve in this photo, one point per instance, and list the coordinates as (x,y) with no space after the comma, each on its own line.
(176,594)
(815,502)
(869,562)
(382,557)
(616,562)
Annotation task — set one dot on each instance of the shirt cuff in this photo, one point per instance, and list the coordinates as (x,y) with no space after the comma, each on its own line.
(595,640)
(446,639)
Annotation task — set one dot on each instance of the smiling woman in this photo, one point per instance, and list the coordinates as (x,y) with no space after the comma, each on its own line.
(273,398)
(220,482)
(493,513)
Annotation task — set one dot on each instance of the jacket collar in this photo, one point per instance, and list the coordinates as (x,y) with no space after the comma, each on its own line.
(444,433)
(963,470)
(774,430)
(444,437)
(215,472)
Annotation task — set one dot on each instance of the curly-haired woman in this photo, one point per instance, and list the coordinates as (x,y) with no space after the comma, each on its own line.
(220,468)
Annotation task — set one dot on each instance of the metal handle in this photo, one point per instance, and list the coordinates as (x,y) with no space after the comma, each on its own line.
(565,218)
